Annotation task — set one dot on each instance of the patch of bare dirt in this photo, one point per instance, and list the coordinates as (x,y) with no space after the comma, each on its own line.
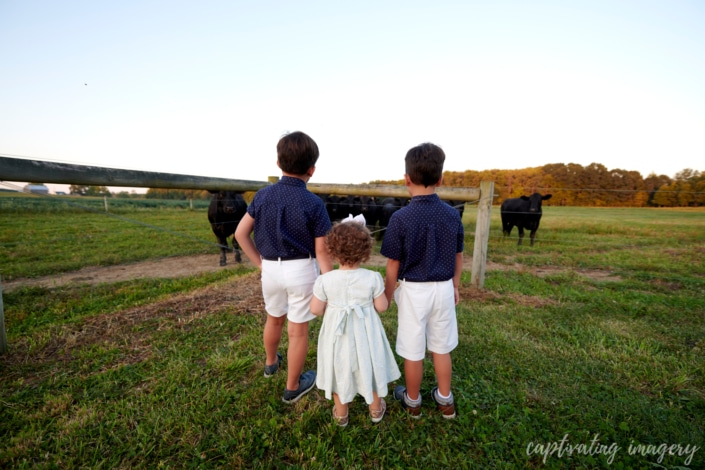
(181,266)
(123,329)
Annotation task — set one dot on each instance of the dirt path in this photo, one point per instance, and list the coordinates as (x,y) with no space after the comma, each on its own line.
(181,266)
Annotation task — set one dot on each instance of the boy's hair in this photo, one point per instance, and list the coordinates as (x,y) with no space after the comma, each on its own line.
(424,164)
(349,243)
(296,153)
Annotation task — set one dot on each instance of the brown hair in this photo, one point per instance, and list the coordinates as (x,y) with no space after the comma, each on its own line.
(424,164)
(349,243)
(296,153)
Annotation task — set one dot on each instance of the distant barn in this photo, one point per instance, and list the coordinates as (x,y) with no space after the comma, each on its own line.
(36,189)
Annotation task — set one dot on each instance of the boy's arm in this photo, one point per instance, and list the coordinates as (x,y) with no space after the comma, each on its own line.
(242,235)
(390,282)
(322,256)
(456,276)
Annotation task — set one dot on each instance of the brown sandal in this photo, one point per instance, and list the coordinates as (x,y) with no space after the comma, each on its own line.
(378,414)
(341,421)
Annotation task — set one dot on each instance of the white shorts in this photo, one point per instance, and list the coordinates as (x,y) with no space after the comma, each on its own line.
(287,288)
(426,318)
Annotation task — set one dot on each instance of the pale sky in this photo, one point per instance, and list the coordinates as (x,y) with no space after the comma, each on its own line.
(207,88)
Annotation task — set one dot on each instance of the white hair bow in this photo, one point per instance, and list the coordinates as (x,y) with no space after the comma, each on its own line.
(359,218)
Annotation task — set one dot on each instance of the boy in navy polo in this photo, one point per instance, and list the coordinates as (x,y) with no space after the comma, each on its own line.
(289,224)
(424,245)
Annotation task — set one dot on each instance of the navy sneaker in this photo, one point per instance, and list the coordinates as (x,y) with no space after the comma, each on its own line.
(269,370)
(447,408)
(401,396)
(306,383)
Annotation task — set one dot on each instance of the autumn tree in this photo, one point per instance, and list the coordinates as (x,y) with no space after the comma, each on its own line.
(85,190)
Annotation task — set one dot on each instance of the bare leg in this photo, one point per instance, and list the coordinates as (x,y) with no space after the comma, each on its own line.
(272,336)
(296,355)
(444,371)
(376,403)
(341,409)
(413,374)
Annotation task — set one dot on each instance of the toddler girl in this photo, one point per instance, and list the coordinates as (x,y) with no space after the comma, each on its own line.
(354,356)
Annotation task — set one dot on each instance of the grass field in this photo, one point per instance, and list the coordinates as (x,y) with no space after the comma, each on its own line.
(584,351)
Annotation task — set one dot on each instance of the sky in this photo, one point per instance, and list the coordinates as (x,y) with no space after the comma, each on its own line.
(208,88)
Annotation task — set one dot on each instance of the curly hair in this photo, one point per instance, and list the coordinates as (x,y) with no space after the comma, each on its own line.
(349,243)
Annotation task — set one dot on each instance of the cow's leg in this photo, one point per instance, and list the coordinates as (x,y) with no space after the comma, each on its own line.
(521,234)
(532,235)
(223,242)
(236,249)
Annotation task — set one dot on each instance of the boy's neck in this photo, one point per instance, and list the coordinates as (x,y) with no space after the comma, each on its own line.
(303,178)
(419,189)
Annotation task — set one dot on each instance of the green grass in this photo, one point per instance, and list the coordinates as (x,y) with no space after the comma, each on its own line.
(168,373)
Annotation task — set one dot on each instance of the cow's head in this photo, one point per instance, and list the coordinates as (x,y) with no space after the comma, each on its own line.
(227,200)
(535,201)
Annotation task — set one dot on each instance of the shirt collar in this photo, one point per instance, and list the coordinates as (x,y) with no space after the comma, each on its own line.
(291,181)
(425,198)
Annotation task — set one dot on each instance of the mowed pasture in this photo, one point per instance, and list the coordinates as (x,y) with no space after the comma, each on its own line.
(586,350)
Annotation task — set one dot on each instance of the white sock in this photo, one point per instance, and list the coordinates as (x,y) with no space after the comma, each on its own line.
(411,402)
(447,399)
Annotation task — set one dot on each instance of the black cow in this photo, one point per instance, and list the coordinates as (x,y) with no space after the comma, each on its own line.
(338,207)
(367,206)
(224,213)
(388,207)
(524,212)
(457,205)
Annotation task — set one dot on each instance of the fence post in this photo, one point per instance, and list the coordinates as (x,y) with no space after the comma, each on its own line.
(3,335)
(105,201)
(482,234)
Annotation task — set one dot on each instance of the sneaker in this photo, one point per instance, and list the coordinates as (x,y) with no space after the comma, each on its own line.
(341,421)
(401,396)
(377,415)
(306,383)
(447,409)
(269,370)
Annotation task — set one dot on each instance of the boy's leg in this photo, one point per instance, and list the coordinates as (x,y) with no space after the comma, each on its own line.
(413,375)
(442,395)
(296,355)
(273,328)
(444,371)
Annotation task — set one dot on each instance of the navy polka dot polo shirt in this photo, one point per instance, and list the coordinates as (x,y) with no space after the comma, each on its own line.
(288,219)
(424,237)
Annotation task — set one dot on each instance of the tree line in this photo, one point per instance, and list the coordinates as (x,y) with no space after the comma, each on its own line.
(592,185)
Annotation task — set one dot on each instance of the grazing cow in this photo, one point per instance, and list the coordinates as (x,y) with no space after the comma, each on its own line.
(224,213)
(524,212)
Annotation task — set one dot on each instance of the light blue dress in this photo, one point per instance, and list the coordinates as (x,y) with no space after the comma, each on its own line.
(354,356)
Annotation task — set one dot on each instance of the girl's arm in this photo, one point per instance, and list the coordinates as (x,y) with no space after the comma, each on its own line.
(318,307)
(381,303)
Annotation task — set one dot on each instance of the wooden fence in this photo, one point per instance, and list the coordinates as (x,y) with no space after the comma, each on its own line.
(18,169)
